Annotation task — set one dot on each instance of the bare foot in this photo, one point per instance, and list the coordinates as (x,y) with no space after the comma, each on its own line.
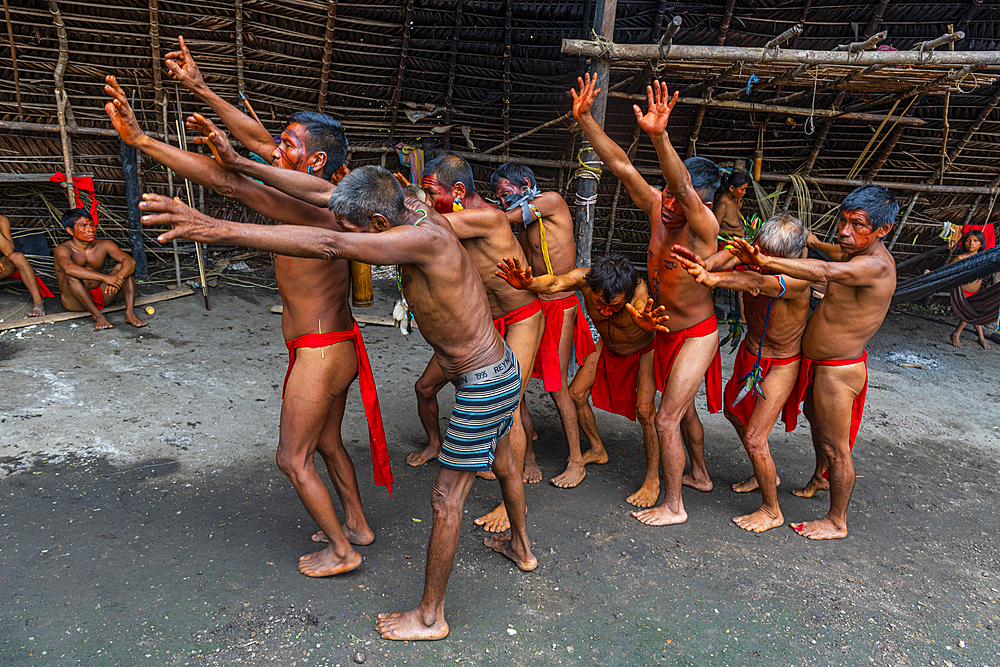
(701,484)
(985,345)
(403,626)
(661,516)
(759,521)
(39,310)
(486,474)
(532,473)
(135,321)
(824,529)
(100,322)
(955,340)
(428,453)
(361,538)
(600,456)
(815,485)
(501,544)
(326,563)
(751,484)
(573,475)
(496,521)
(646,495)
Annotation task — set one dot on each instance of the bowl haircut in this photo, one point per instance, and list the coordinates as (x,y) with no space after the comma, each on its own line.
(611,276)
(324,134)
(366,191)
(875,200)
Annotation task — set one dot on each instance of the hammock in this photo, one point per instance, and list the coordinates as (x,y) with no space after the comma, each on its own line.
(973,268)
(980,308)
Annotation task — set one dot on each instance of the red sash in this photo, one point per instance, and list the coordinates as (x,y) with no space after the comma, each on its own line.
(547,359)
(369,395)
(97,294)
(46,292)
(517,315)
(669,344)
(742,365)
(616,381)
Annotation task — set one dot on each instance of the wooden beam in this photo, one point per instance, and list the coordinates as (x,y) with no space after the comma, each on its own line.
(708,84)
(159,98)
(726,20)
(837,83)
(505,114)
(876,17)
(240,83)
(929,87)
(452,65)
(618,190)
(614,53)
(13,60)
(397,96)
(890,144)
(911,187)
(979,200)
(72,315)
(969,14)
(967,137)
(63,109)
(902,221)
(324,73)
(71,129)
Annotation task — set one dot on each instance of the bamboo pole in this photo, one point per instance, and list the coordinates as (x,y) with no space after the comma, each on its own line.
(240,83)
(182,144)
(13,60)
(154,43)
(63,109)
(397,95)
(911,187)
(70,129)
(618,190)
(837,83)
(170,190)
(505,113)
(906,215)
(929,87)
(452,66)
(324,75)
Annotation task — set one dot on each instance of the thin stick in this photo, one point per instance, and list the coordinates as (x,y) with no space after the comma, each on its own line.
(246,103)
(182,141)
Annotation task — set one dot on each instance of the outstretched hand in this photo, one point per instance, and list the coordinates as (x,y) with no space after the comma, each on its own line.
(184,69)
(654,121)
(695,266)
(746,253)
(121,114)
(584,100)
(511,271)
(649,319)
(214,138)
(188,223)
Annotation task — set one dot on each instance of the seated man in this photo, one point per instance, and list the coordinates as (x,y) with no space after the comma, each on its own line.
(78,263)
(446,294)
(619,375)
(15,263)
(767,363)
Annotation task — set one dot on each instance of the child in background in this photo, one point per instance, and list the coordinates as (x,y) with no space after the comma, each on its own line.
(971,243)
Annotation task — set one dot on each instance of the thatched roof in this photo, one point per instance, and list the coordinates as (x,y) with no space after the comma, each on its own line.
(405,69)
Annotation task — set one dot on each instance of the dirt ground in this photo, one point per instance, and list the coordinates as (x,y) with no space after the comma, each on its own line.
(143,520)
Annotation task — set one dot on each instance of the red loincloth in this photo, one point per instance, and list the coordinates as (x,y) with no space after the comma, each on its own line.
(517,315)
(547,359)
(742,365)
(616,381)
(369,396)
(669,344)
(806,379)
(46,292)
(968,294)
(97,295)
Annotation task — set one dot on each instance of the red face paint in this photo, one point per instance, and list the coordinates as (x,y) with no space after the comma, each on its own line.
(671,212)
(440,198)
(855,232)
(291,153)
(608,308)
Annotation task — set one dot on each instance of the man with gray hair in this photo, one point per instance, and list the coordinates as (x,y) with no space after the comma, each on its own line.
(767,363)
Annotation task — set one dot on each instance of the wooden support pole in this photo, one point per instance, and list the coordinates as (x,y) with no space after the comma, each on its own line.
(929,87)
(397,96)
(783,37)
(618,190)
(967,136)
(877,17)
(838,83)
(586,193)
(505,114)
(63,109)
(790,111)
(902,222)
(696,131)
(870,43)
(13,60)
(130,174)
(708,84)
(159,98)
(909,187)
(240,83)
(324,73)
(970,13)
(615,53)
(452,66)
(726,20)
(70,129)
(890,144)
(979,200)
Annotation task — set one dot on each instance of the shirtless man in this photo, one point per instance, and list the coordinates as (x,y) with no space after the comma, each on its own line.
(11,261)
(443,287)
(677,215)
(767,363)
(833,378)
(486,235)
(619,374)
(547,239)
(78,263)
(316,314)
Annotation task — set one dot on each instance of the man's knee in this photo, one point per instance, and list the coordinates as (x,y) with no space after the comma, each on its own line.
(645,412)
(288,463)
(580,395)
(17,258)
(754,441)
(425,389)
(446,501)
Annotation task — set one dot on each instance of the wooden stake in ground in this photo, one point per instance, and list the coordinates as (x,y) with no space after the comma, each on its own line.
(182,142)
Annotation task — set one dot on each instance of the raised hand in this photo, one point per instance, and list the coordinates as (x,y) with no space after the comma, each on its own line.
(511,271)
(121,114)
(188,223)
(402,180)
(184,69)
(649,319)
(214,138)
(695,265)
(746,253)
(584,100)
(654,121)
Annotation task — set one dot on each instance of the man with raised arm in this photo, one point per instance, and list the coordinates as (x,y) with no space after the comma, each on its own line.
(677,215)
(767,363)
(14,262)
(325,346)
(547,239)
(443,287)
(833,378)
(78,263)
(619,375)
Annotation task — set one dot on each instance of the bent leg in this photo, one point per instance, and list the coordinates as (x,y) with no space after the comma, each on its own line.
(75,297)
(817,482)
(564,404)
(515,546)
(645,395)
(426,621)
(532,472)
(956,335)
(18,262)
(128,293)
(693,434)
(579,391)
(427,388)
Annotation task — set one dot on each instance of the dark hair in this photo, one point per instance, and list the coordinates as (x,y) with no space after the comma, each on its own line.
(976,234)
(515,172)
(449,169)
(366,191)
(705,176)
(737,179)
(325,134)
(875,200)
(611,276)
(70,217)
